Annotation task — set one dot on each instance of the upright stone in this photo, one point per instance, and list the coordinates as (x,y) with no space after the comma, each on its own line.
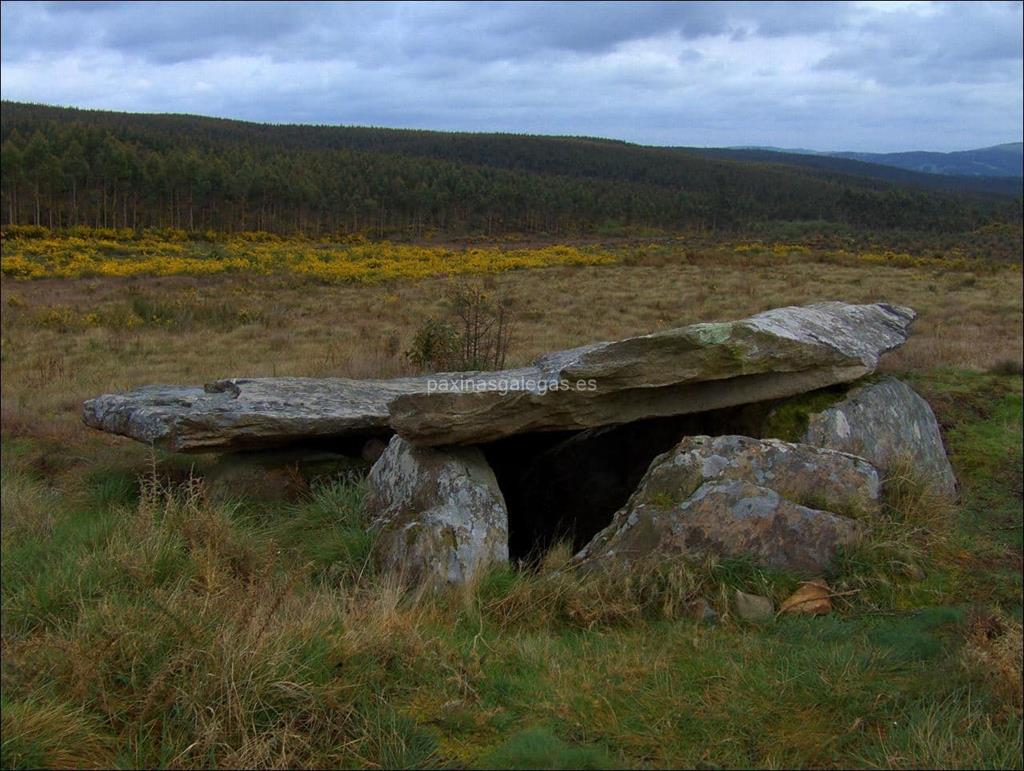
(886,422)
(439,514)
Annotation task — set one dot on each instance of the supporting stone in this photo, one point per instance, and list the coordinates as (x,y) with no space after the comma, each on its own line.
(886,422)
(439,515)
(736,496)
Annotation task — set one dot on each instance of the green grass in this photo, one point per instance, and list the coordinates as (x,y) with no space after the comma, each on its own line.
(145,624)
(327,530)
(538,748)
(982,418)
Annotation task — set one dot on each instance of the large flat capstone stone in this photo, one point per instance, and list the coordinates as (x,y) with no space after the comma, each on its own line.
(249,413)
(700,367)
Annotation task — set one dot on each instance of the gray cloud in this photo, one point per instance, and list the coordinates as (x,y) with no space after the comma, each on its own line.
(950,45)
(827,75)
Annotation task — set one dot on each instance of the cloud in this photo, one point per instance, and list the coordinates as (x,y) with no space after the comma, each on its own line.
(943,45)
(827,75)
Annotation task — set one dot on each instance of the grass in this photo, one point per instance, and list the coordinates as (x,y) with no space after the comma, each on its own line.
(148,623)
(151,626)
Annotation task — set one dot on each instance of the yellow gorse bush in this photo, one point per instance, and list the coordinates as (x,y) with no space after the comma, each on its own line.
(777,249)
(80,252)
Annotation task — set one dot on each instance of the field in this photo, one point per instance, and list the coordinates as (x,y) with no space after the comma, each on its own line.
(148,623)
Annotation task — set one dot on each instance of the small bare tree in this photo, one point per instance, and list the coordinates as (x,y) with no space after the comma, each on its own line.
(475,332)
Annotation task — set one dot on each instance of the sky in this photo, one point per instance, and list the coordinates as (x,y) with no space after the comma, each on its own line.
(859,76)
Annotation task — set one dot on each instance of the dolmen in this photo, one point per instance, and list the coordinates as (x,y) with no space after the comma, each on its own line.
(763,438)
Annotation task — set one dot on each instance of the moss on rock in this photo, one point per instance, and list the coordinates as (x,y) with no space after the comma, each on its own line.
(790,419)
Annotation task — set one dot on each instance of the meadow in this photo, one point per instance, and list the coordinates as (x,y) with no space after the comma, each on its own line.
(147,622)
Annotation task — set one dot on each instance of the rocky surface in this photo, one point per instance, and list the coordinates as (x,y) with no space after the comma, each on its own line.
(737,496)
(468,467)
(732,519)
(562,488)
(701,367)
(886,422)
(804,473)
(754,607)
(439,515)
(248,413)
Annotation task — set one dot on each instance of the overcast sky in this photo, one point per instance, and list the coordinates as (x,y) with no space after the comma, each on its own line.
(843,76)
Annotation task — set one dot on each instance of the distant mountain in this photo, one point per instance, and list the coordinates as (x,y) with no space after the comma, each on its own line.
(870,166)
(773,149)
(997,161)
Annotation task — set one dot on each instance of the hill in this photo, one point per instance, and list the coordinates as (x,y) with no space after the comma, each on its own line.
(997,168)
(874,166)
(64,166)
(997,161)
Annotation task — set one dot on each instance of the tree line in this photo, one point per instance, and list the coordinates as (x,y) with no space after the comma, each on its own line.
(64,167)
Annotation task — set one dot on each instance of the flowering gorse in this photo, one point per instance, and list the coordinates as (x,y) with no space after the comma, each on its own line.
(82,253)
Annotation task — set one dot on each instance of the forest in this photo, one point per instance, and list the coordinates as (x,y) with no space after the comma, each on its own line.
(65,167)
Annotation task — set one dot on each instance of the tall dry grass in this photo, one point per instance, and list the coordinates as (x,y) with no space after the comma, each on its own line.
(203,648)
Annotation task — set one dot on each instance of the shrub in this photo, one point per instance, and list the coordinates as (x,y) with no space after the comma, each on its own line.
(25,231)
(475,333)
(434,345)
(484,326)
